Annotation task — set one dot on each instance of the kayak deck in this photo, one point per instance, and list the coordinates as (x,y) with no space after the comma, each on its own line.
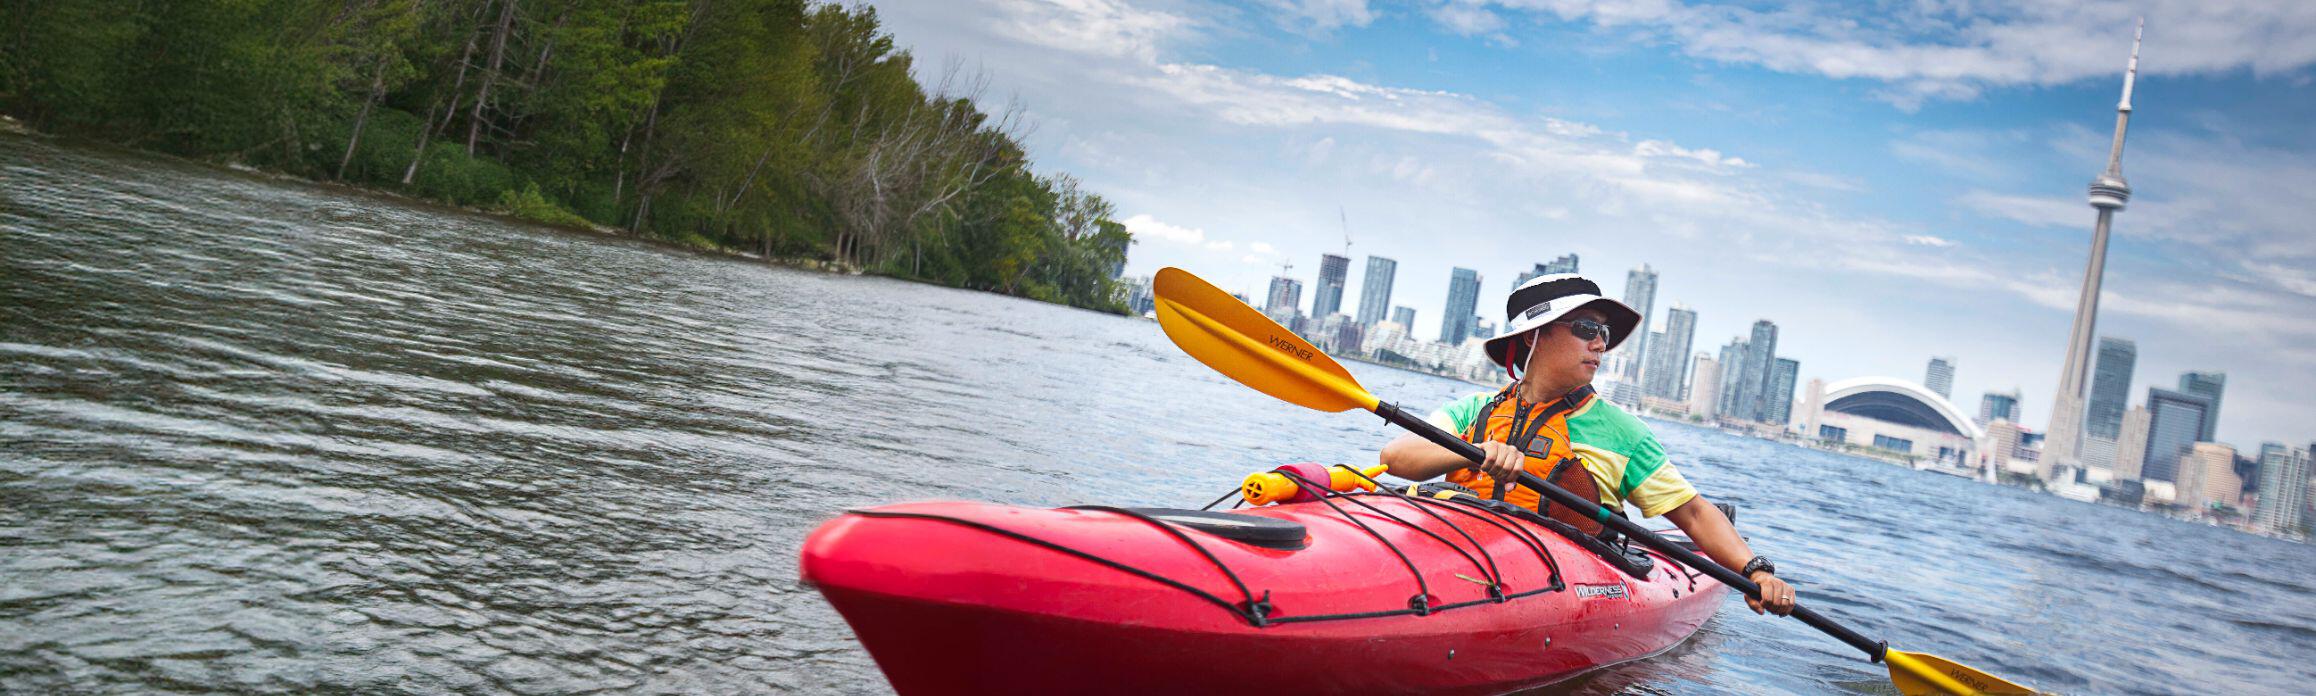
(1384,592)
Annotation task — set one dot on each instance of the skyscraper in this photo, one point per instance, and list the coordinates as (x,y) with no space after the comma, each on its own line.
(1327,298)
(1705,387)
(1731,387)
(1640,293)
(1286,296)
(2207,476)
(1760,362)
(2131,446)
(1463,299)
(1940,376)
(2174,423)
(1564,264)
(1403,316)
(1998,406)
(2208,385)
(1375,289)
(1779,409)
(1666,374)
(2110,387)
(2283,488)
(2096,453)
(2108,194)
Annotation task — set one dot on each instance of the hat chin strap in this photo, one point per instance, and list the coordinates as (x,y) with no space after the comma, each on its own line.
(1534,338)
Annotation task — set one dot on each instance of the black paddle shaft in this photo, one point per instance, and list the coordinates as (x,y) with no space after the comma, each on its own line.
(1401,418)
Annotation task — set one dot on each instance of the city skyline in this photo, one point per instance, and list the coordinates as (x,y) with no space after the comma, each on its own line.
(1879,217)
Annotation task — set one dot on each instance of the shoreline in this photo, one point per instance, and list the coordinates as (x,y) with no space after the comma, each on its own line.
(10,126)
(1420,372)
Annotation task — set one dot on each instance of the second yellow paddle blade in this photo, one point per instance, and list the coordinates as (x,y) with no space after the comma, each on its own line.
(1244,345)
(1918,674)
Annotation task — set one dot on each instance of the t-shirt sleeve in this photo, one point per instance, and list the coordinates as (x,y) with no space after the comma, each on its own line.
(1661,492)
(1457,416)
(1650,481)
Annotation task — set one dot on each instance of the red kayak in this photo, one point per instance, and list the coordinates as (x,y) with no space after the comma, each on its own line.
(1364,593)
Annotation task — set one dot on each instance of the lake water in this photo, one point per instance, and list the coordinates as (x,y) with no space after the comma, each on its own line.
(264,436)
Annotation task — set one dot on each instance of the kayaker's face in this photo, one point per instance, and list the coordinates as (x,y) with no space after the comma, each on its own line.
(1564,362)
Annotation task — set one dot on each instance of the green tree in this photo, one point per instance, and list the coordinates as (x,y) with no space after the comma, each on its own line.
(789,127)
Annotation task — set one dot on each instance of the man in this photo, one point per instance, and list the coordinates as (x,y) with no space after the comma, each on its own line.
(1550,423)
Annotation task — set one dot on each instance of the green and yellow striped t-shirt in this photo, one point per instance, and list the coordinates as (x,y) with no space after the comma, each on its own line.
(1616,448)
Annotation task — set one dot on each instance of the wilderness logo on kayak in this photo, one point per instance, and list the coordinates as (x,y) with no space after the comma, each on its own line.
(1289,347)
(1600,591)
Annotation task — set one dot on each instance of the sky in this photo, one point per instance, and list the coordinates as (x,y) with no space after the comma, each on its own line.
(1887,181)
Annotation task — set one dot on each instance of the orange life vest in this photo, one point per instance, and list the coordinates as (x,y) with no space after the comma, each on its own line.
(1540,430)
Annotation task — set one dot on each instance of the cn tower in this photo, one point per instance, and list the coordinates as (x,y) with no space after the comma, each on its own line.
(2063,444)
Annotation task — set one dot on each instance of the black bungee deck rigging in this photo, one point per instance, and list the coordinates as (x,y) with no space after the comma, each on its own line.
(1432,500)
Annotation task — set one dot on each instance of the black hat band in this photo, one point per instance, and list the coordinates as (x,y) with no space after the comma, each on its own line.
(1541,293)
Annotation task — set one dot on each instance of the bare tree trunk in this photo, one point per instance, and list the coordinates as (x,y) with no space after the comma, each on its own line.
(846,72)
(918,164)
(377,89)
(482,97)
(546,50)
(642,169)
(619,176)
(648,174)
(465,58)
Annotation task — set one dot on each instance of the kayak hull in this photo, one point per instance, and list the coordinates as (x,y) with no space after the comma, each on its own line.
(962,598)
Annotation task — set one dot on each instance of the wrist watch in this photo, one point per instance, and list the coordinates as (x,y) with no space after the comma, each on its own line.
(1759,563)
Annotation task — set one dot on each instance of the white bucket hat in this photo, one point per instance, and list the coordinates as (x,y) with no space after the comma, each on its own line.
(1545,299)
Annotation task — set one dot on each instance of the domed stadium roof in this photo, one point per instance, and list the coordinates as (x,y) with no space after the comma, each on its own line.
(1893,400)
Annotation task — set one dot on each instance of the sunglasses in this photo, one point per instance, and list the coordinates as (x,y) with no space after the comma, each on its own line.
(1586,329)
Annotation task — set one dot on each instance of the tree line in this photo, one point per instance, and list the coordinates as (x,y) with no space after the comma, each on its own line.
(786,128)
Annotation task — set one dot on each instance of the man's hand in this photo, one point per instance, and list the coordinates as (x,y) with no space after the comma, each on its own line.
(1503,462)
(1776,596)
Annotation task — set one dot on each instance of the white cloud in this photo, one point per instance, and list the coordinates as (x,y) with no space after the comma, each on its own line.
(2033,210)
(1826,181)
(1107,27)
(1145,227)
(1707,157)
(1321,16)
(1568,152)
(1569,129)
(1320,151)
(1261,248)
(1972,155)
(2295,280)
(1926,51)
(1928,241)
(1466,18)
(1220,245)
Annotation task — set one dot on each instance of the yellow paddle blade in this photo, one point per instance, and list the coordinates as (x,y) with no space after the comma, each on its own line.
(1244,345)
(1919,674)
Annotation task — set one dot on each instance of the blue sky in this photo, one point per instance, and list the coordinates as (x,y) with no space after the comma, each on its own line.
(1886,181)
